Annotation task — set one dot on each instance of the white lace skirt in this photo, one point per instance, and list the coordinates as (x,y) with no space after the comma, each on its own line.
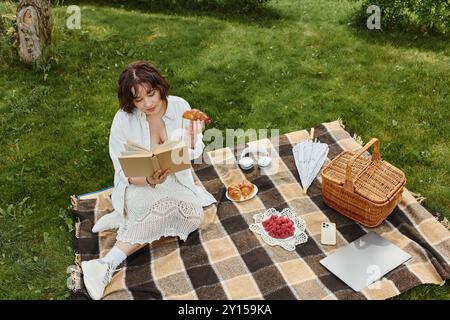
(169,209)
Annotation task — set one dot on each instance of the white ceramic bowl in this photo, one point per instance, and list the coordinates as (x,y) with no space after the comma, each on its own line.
(246,163)
(264,161)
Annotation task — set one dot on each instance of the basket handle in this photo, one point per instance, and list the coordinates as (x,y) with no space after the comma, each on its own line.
(348,185)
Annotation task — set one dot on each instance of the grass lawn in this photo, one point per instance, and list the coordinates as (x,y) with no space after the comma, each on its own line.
(299,65)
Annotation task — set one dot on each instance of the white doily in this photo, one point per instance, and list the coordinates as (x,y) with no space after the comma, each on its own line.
(289,243)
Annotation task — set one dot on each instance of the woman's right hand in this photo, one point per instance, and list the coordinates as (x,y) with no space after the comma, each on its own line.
(159,176)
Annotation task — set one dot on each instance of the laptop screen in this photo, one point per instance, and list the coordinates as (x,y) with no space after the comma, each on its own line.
(365,260)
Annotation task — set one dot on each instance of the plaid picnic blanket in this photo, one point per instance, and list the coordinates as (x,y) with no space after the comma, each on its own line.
(225,260)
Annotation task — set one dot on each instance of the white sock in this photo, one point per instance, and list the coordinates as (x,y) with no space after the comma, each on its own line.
(115,256)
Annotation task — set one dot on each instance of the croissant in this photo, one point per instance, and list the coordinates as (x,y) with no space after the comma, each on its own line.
(234,192)
(195,114)
(246,188)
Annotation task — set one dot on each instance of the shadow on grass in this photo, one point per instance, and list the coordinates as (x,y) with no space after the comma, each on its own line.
(439,43)
(263,16)
(436,43)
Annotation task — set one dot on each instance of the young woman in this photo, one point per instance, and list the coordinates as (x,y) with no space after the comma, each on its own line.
(152,207)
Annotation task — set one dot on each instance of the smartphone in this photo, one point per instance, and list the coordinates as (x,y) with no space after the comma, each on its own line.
(328,233)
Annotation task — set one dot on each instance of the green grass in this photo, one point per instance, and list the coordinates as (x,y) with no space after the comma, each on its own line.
(298,65)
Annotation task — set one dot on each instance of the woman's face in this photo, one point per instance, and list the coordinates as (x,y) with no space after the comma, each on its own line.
(147,100)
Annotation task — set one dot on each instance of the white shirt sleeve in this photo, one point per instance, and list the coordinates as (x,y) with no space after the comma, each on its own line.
(117,141)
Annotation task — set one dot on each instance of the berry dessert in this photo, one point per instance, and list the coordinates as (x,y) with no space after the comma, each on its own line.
(279,227)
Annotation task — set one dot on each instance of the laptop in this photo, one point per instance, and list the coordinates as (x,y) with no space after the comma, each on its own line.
(365,260)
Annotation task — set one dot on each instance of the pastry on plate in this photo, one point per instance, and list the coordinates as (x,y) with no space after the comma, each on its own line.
(195,114)
(234,192)
(246,188)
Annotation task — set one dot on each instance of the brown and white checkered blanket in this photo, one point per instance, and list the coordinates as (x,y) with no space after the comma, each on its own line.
(225,260)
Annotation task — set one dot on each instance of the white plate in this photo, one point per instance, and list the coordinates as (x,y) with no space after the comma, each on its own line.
(255,191)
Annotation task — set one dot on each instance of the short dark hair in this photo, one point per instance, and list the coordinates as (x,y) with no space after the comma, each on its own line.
(140,73)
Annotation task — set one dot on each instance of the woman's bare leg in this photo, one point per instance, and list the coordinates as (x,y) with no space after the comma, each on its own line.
(129,248)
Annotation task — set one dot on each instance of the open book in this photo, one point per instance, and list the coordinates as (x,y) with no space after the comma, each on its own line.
(138,161)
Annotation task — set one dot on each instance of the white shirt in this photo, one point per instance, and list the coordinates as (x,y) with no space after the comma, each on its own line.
(134,126)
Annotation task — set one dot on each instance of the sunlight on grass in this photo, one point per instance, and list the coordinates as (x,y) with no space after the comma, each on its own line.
(306,67)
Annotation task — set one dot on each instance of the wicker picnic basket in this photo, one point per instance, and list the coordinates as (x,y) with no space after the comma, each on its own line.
(365,190)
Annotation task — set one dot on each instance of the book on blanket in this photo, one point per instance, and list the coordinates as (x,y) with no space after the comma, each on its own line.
(138,161)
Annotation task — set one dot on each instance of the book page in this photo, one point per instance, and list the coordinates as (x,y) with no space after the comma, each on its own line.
(140,154)
(135,146)
(130,153)
(131,148)
(168,145)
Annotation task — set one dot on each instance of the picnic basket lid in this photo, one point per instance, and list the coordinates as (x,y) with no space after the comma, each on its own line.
(373,179)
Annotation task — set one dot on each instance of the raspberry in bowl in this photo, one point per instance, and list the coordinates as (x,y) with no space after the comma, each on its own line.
(279,227)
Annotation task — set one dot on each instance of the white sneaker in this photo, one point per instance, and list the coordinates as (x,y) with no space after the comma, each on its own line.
(109,221)
(96,276)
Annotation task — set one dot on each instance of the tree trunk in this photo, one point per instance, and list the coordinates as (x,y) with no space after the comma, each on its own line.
(33,29)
